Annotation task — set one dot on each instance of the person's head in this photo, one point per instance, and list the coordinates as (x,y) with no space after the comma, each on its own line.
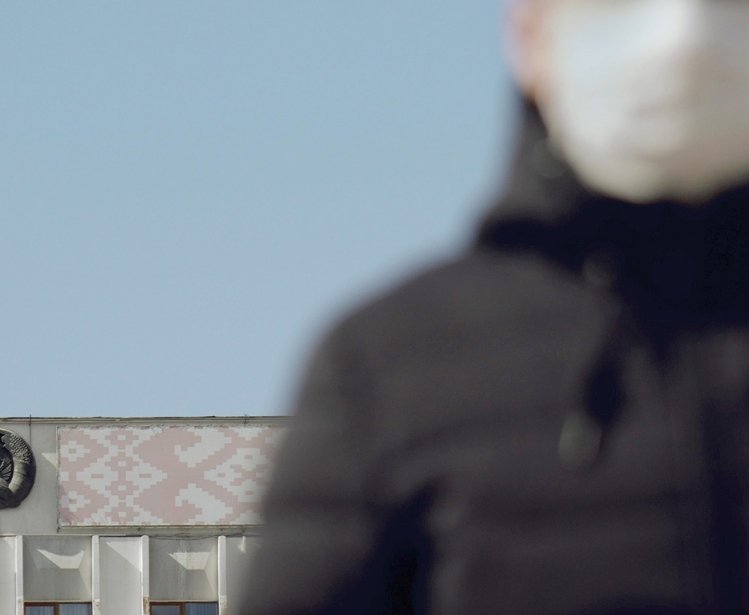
(646,99)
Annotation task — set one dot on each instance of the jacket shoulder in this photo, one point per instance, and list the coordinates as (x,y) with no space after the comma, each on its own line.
(479,289)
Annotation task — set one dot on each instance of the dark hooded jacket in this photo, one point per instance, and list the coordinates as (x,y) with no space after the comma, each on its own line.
(555,421)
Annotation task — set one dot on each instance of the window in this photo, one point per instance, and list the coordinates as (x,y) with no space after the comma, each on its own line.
(58,608)
(180,608)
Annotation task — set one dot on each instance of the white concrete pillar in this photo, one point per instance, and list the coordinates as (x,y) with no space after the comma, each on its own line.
(19,575)
(95,577)
(223,608)
(145,574)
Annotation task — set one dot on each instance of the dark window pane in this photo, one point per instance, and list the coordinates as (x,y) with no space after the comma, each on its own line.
(75,609)
(40,610)
(164,609)
(198,608)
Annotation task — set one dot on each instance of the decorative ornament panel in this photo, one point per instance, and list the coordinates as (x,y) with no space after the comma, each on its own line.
(163,476)
(17,469)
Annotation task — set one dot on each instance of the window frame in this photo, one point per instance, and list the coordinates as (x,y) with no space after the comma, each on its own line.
(182,605)
(56,605)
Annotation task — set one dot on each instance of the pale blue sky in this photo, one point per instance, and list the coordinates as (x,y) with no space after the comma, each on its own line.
(192,191)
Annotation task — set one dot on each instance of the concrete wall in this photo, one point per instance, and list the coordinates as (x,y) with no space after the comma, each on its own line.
(7,575)
(57,568)
(37,514)
(69,541)
(184,568)
(120,575)
(238,556)
(145,475)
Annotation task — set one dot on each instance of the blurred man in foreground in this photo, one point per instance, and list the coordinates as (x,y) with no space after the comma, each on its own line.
(556,421)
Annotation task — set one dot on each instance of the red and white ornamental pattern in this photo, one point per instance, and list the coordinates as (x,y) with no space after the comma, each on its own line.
(164,476)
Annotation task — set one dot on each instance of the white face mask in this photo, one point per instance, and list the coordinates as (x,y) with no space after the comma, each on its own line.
(649,99)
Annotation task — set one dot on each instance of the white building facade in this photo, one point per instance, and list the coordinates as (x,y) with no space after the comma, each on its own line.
(130,516)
